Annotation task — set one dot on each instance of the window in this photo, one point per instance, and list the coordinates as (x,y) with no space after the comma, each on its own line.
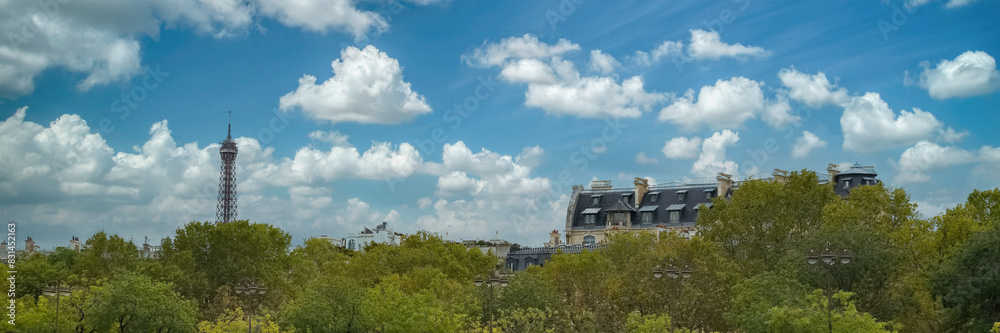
(647,217)
(589,218)
(675,216)
(350,244)
(847,183)
(589,240)
(653,196)
(708,194)
(595,200)
(681,194)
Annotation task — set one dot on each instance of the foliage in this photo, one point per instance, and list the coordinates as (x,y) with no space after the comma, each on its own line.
(134,303)
(754,297)
(765,218)
(236,321)
(328,305)
(969,283)
(822,314)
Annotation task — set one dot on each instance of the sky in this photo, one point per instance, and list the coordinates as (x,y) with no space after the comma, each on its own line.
(472,119)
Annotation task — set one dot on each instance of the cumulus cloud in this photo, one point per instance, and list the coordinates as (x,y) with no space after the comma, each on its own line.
(713,159)
(556,86)
(662,50)
(806,143)
(972,73)
(708,45)
(727,104)
(682,148)
(100,39)
(778,112)
(813,90)
(331,137)
(603,63)
(424,202)
(925,156)
(483,192)
(367,87)
(641,158)
(870,125)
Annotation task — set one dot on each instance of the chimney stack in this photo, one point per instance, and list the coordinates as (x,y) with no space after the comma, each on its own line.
(553,239)
(641,187)
(781,176)
(833,170)
(725,183)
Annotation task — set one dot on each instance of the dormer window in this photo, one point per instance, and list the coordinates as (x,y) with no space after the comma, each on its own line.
(653,196)
(708,194)
(595,200)
(681,194)
(847,183)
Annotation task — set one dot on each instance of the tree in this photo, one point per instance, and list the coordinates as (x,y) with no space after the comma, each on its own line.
(754,297)
(821,314)
(209,256)
(134,303)
(331,304)
(765,218)
(235,321)
(637,323)
(968,283)
(106,255)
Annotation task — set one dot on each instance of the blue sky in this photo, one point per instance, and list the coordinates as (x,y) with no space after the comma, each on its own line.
(472,118)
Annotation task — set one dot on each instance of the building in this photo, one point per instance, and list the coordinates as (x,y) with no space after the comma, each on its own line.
(332,240)
(381,234)
(226,209)
(499,247)
(531,256)
(74,244)
(595,213)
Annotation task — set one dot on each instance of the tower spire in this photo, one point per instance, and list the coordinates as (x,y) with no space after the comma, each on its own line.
(226,209)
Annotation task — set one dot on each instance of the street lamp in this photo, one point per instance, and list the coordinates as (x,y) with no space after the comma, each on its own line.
(831,258)
(492,282)
(252,290)
(58,288)
(673,273)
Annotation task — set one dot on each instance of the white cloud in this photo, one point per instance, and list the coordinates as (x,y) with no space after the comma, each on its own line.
(593,97)
(682,148)
(603,63)
(989,162)
(727,104)
(321,16)
(805,144)
(925,156)
(708,45)
(950,135)
(100,39)
(332,137)
(813,90)
(641,158)
(778,113)
(870,125)
(951,4)
(971,73)
(424,202)
(367,87)
(664,49)
(713,159)
(555,85)
(524,47)
(357,215)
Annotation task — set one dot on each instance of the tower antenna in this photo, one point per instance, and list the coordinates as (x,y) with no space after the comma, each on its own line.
(226,209)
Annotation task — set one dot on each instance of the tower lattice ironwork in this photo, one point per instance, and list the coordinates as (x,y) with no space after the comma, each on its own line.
(226,211)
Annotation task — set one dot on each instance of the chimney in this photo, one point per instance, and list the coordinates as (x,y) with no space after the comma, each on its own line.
(600,185)
(29,245)
(725,183)
(833,170)
(641,187)
(553,239)
(781,176)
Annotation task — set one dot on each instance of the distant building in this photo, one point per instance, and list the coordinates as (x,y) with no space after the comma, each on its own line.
(597,212)
(74,244)
(537,256)
(332,240)
(29,246)
(381,234)
(499,247)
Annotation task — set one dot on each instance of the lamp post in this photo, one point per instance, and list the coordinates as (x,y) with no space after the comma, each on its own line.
(252,290)
(57,287)
(676,275)
(830,259)
(493,282)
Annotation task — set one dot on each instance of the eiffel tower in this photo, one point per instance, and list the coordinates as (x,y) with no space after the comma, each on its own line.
(226,211)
